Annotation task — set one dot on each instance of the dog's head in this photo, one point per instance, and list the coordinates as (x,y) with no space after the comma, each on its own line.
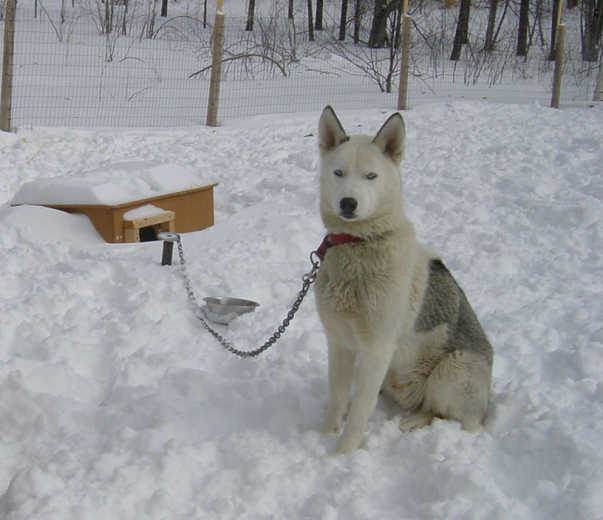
(360,177)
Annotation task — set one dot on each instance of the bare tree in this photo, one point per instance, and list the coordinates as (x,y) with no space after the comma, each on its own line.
(461,36)
(490,43)
(124,28)
(108,20)
(522,30)
(310,22)
(148,28)
(381,12)
(592,23)
(380,65)
(343,19)
(319,9)
(250,15)
(357,15)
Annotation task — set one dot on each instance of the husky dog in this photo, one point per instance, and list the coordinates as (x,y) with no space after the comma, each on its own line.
(395,319)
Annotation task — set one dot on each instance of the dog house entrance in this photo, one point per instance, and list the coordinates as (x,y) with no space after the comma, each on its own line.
(142,224)
(147,234)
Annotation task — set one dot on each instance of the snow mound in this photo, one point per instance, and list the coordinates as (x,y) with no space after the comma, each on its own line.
(43,225)
(110,185)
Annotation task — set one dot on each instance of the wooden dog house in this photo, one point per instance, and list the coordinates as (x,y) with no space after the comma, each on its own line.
(183,211)
(118,215)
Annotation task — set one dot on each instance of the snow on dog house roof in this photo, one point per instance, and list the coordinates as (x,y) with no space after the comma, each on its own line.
(106,194)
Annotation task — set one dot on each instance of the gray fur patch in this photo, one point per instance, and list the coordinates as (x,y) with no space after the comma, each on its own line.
(445,303)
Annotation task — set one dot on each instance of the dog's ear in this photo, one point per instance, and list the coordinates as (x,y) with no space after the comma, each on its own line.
(390,138)
(330,130)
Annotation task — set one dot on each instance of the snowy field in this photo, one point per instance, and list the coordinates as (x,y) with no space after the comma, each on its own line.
(115,404)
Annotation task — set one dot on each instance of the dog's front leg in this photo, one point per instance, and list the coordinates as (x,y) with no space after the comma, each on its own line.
(341,370)
(371,367)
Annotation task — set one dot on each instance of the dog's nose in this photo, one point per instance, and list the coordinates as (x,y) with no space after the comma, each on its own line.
(348,205)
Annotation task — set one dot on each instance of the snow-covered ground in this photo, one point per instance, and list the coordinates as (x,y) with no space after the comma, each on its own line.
(115,404)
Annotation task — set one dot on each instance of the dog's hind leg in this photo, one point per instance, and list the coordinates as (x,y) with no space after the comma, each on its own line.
(458,388)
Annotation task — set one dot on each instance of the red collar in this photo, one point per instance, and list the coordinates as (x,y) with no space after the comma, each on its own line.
(335,239)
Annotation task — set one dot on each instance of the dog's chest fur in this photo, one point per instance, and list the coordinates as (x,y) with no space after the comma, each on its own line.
(365,283)
(353,278)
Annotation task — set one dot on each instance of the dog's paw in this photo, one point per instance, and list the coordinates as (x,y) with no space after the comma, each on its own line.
(416,421)
(347,444)
(333,421)
(330,427)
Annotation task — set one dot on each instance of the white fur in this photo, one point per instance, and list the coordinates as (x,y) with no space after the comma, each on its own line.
(370,293)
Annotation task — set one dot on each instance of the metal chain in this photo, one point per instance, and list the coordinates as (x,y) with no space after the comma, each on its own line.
(307,280)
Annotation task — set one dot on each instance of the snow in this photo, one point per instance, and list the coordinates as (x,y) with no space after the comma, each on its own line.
(146,211)
(111,184)
(114,403)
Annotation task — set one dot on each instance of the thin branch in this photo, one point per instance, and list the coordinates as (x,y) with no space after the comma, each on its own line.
(243,56)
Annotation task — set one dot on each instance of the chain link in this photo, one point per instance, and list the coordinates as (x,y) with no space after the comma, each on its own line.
(307,280)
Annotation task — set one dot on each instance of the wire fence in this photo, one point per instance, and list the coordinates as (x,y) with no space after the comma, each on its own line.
(75,73)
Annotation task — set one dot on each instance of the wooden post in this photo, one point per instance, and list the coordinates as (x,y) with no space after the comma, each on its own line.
(557,12)
(6,92)
(559,49)
(216,67)
(598,94)
(403,88)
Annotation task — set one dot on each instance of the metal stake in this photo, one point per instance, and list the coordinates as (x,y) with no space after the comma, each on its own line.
(168,246)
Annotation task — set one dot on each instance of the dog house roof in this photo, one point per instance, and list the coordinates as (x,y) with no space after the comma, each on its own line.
(110,185)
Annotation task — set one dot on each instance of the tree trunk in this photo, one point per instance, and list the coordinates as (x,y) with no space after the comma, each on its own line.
(394,46)
(163,8)
(357,13)
(465,26)
(108,16)
(378,36)
(124,28)
(310,22)
(461,36)
(290,10)
(250,15)
(343,19)
(318,24)
(522,30)
(592,16)
(490,43)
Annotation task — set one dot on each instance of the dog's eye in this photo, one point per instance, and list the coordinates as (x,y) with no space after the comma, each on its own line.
(338,173)
(371,175)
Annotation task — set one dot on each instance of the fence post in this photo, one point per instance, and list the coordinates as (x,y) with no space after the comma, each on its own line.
(6,93)
(598,94)
(558,73)
(557,10)
(403,88)
(216,66)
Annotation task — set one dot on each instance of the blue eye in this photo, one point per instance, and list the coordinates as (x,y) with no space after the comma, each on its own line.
(371,175)
(338,173)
